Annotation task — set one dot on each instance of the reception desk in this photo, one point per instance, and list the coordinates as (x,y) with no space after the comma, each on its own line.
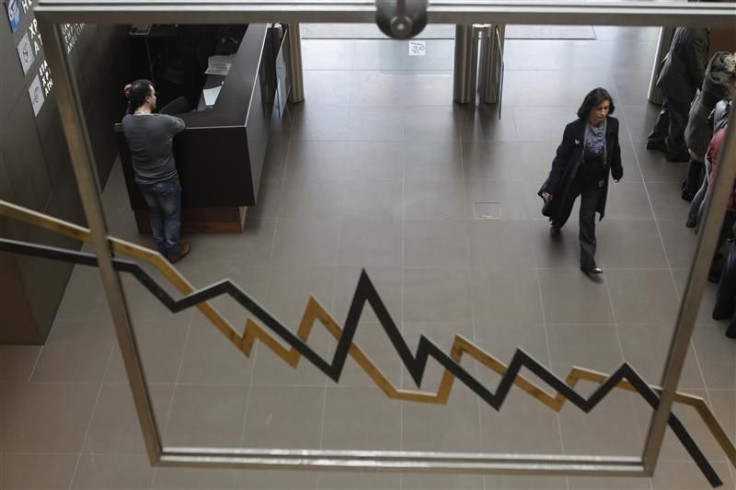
(221,153)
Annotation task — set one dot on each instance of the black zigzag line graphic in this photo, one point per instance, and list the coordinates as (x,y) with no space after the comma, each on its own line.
(365,292)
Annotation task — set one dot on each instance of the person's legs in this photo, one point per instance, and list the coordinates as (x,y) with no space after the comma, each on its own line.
(655,140)
(726,292)
(169,198)
(156,216)
(693,180)
(675,141)
(589,199)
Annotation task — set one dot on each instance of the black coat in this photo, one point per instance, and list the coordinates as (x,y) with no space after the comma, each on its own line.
(683,69)
(567,162)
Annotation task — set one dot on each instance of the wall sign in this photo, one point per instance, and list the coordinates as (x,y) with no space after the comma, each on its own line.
(26,53)
(35,92)
(15,11)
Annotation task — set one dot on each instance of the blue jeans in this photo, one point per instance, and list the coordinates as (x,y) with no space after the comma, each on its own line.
(164,204)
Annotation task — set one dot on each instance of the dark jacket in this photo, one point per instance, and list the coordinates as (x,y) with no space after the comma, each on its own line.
(682,70)
(567,162)
(719,83)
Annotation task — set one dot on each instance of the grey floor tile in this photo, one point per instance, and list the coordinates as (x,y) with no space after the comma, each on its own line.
(305,242)
(569,297)
(560,252)
(707,302)
(608,483)
(438,243)
(537,125)
(284,417)
(436,295)
(369,242)
(378,88)
(372,339)
(114,427)
(161,346)
(484,124)
(645,349)
(320,122)
(510,199)
(326,54)
(666,201)
(210,358)
(628,200)
(593,347)
(432,123)
(643,296)
(716,356)
(631,244)
(36,471)
(427,89)
(522,425)
(46,417)
(206,415)
(505,297)
(435,199)
(328,87)
(375,123)
(195,479)
(454,427)
(84,298)
(312,199)
(434,160)
(76,351)
(371,160)
(268,200)
(492,160)
(684,475)
(523,482)
(119,471)
(411,481)
(315,160)
(359,199)
(272,370)
(17,362)
(394,55)
(501,244)
(289,289)
(277,480)
(345,406)
(250,248)
(358,481)
(679,243)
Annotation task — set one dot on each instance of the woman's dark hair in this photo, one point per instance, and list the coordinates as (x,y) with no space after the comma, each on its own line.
(137,93)
(594,98)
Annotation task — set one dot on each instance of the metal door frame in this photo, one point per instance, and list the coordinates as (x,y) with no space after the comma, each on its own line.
(52,13)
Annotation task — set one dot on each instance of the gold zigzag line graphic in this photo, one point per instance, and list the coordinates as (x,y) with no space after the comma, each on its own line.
(314,311)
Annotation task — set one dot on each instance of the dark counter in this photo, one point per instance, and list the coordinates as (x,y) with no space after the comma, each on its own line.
(220,155)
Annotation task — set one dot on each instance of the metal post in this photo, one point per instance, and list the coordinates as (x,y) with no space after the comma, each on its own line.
(663,46)
(693,294)
(491,55)
(80,150)
(464,65)
(296,72)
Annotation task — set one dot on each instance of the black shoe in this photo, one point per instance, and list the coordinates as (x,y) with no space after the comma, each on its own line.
(554,231)
(681,157)
(722,312)
(656,145)
(592,270)
(714,277)
(731,331)
(687,195)
(691,222)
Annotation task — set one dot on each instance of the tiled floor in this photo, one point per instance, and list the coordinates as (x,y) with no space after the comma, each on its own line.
(378,169)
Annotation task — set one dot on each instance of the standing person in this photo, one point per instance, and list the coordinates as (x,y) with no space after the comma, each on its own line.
(726,293)
(719,83)
(680,76)
(149,138)
(588,152)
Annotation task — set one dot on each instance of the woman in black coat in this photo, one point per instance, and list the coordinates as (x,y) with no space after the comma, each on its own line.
(588,153)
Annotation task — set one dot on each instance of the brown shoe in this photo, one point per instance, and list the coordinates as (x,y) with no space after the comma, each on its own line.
(186,247)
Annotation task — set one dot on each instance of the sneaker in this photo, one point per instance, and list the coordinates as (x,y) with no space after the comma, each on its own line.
(186,247)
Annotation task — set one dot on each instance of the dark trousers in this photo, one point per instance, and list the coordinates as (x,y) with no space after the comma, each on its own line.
(164,205)
(590,194)
(670,127)
(726,292)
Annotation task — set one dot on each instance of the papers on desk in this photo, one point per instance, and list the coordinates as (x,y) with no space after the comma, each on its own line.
(210,95)
(219,65)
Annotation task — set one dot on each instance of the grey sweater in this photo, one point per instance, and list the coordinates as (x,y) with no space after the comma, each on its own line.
(149,138)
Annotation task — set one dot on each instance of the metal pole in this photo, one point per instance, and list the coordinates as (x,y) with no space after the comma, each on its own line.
(491,54)
(663,46)
(463,64)
(80,150)
(714,212)
(296,73)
